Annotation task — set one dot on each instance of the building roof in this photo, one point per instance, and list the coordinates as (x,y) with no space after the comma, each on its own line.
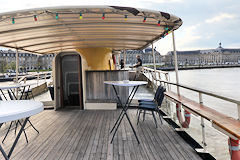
(51,30)
(220,49)
(145,51)
(185,52)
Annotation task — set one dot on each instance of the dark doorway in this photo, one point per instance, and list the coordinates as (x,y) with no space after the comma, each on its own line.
(71,80)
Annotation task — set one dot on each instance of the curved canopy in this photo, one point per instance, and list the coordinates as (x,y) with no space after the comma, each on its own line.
(51,30)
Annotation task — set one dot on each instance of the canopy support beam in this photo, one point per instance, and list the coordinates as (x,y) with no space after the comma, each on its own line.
(124,57)
(17,65)
(175,62)
(154,62)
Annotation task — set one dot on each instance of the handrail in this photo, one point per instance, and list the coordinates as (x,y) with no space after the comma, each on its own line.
(193,88)
(46,74)
(150,69)
(202,91)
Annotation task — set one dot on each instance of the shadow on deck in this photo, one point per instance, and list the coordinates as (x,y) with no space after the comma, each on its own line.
(75,134)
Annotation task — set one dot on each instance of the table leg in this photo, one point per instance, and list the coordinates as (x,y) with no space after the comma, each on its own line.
(13,94)
(15,142)
(132,128)
(17,138)
(7,131)
(4,153)
(27,93)
(119,100)
(116,121)
(117,127)
(22,93)
(1,149)
(124,112)
(33,126)
(3,95)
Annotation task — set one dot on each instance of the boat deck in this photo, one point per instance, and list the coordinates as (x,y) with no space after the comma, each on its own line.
(75,134)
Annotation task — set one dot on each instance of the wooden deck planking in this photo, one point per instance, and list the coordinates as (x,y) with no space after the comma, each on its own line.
(75,134)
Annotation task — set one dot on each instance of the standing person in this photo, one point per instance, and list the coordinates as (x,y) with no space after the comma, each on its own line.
(122,63)
(138,66)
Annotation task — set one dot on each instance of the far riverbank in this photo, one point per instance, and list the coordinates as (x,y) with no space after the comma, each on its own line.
(197,67)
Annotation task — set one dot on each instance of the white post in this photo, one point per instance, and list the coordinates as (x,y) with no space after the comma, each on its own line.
(45,77)
(203,126)
(124,58)
(17,65)
(176,64)
(200,98)
(203,135)
(117,61)
(154,62)
(37,78)
(238,105)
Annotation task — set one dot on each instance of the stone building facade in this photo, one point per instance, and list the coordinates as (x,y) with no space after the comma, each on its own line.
(27,61)
(218,56)
(146,56)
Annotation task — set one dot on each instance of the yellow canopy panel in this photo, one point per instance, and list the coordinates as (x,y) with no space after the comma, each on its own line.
(51,30)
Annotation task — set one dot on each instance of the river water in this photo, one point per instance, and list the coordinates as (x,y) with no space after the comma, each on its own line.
(223,81)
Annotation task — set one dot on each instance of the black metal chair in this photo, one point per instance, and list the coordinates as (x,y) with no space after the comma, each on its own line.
(151,101)
(152,106)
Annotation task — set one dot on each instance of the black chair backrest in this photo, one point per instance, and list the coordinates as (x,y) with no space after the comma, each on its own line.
(158,91)
(161,96)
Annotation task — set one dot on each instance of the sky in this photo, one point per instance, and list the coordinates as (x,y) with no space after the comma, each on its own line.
(205,22)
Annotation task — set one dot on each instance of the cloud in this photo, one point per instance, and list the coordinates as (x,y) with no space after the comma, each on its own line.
(6,5)
(185,38)
(189,35)
(161,1)
(220,17)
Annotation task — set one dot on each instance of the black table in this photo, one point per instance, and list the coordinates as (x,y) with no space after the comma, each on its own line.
(125,83)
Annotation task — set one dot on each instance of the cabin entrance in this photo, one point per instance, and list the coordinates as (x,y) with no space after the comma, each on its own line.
(71,81)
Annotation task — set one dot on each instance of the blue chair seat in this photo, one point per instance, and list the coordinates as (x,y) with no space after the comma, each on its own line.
(147,103)
(148,106)
(145,100)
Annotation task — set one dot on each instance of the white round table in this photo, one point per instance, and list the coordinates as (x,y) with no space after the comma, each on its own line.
(18,109)
(15,110)
(126,83)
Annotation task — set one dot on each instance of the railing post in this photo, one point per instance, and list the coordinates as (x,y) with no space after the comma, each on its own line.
(166,76)
(238,105)
(159,77)
(203,135)
(203,128)
(37,79)
(200,98)
(45,77)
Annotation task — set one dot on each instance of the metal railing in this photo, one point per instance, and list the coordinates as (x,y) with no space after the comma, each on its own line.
(155,76)
(38,76)
(156,79)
